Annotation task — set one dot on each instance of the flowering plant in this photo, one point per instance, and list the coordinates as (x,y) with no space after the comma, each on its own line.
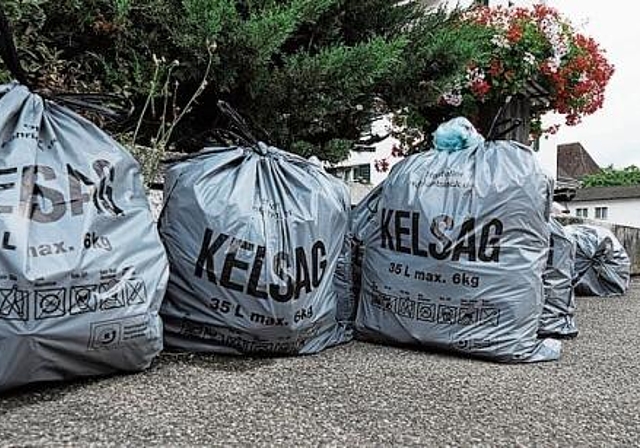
(531,45)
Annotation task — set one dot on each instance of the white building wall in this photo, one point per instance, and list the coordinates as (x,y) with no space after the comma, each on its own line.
(620,211)
(547,155)
(382,151)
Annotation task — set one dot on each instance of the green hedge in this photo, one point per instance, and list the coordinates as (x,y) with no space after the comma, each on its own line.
(308,74)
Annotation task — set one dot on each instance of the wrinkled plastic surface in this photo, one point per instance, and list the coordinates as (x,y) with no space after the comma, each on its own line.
(363,224)
(602,265)
(456,255)
(254,239)
(558,314)
(343,283)
(82,269)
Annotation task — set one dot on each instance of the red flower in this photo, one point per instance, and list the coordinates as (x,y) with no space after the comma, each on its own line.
(396,151)
(496,68)
(480,88)
(571,67)
(381,165)
(573,119)
(514,34)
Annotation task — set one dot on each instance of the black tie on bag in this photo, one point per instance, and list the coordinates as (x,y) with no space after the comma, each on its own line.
(114,107)
(493,134)
(8,51)
(236,134)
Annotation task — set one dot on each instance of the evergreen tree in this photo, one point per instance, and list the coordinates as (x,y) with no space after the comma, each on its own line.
(307,74)
(438,51)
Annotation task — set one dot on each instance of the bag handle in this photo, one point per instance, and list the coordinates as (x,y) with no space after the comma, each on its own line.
(239,126)
(492,135)
(8,51)
(114,107)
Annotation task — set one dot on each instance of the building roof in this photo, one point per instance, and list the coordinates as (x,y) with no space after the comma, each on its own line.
(604,193)
(575,162)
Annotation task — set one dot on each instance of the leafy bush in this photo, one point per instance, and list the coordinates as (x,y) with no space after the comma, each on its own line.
(439,50)
(306,72)
(611,177)
(309,75)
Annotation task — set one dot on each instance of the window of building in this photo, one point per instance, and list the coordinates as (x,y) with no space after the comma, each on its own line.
(362,173)
(341,173)
(602,212)
(355,173)
(582,212)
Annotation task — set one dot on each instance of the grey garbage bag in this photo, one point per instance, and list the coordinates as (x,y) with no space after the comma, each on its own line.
(363,223)
(82,268)
(343,276)
(602,265)
(343,284)
(558,313)
(456,257)
(348,276)
(254,236)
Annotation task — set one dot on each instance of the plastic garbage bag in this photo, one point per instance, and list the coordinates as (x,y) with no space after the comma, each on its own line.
(602,265)
(558,314)
(82,269)
(363,223)
(455,259)
(254,237)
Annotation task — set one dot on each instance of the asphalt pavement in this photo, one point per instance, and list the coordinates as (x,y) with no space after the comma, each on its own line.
(356,395)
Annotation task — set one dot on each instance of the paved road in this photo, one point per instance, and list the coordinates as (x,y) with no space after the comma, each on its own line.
(359,394)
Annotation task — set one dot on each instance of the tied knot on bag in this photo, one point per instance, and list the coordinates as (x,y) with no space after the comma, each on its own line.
(9,53)
(239,130)
(456,135)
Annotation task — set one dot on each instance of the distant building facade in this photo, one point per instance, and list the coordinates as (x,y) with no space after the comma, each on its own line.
(359,170)
(619,205)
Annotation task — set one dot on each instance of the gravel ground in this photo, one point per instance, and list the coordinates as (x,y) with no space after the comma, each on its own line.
(358,394)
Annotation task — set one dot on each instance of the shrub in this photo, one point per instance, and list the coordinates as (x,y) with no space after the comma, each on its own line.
(305,72)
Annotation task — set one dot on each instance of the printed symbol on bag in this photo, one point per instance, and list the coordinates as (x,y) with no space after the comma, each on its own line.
(427,312)
(237,342)
(447,314)
(50,303)
(263,347)
(192,329)
(137,327)
(105,335)
(210,332)
(82,299)
(467,316)
(110,296)
(135,292)
(490,316)
(406,307)
(14,304)
(383,301)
